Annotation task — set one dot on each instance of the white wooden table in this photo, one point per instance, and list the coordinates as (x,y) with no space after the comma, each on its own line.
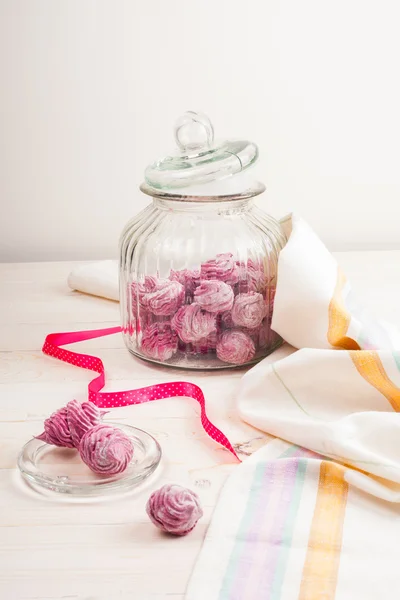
(54,549)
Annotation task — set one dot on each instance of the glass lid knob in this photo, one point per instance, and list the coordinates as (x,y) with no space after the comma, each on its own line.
(194,133)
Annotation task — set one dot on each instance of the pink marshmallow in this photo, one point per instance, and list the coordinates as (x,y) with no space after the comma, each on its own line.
(249,310)
(235,346)
(106,450)
(174,509)
(214,296)
(67,425)
(165,298)
(192,323)
(159,341)
(223,267)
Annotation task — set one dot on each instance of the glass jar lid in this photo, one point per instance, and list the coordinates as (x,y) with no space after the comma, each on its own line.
(200,159)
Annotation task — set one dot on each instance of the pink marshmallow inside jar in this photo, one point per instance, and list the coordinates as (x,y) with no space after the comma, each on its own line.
(198,266)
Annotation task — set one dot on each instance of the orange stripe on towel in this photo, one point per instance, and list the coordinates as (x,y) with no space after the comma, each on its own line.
(369,365)
(321,566)
(339,318)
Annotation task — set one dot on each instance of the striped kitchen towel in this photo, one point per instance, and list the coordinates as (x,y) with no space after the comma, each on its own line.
(291,526)
(315,517)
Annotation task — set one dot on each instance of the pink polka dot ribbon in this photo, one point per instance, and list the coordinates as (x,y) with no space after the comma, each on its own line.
(179,389)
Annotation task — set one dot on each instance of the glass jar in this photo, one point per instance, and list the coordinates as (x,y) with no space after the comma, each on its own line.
(198,266)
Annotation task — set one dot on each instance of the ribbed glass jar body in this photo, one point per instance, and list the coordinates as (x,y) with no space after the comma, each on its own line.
(197,283)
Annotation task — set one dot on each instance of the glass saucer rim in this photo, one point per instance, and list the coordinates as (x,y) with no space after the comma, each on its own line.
(92,489)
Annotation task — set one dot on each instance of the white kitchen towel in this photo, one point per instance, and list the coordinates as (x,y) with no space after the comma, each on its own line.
(315,517)
(339,394)
(289,525)
(96,278)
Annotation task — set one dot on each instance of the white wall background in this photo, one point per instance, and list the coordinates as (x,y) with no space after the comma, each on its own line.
(90,91)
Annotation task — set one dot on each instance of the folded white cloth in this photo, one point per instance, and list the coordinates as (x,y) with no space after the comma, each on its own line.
(290,523)
(339,404)
(96,278)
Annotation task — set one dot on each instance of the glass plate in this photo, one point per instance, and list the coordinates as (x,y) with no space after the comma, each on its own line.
(62,470)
